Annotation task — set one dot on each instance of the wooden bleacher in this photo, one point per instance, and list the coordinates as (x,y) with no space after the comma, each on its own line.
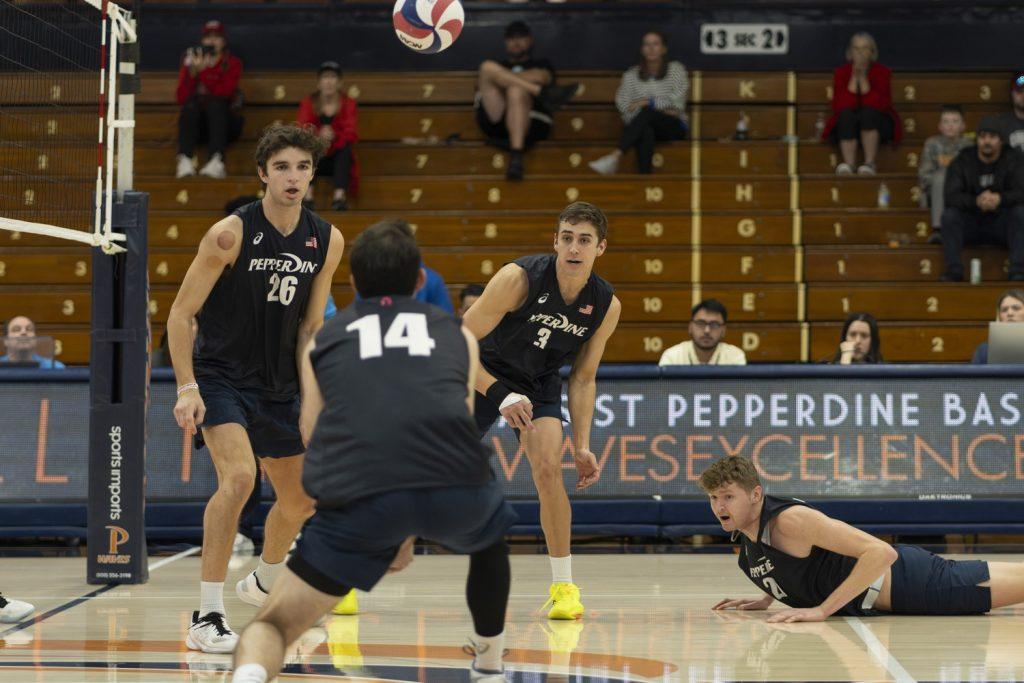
(762,224)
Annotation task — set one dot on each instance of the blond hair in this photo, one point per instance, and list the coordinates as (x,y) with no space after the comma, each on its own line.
(732,469)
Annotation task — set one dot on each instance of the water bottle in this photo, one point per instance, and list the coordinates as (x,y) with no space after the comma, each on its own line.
(975,271)
(883,196)
(742,127)
(819,126)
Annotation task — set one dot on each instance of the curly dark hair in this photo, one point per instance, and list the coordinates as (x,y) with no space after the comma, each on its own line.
(278,137)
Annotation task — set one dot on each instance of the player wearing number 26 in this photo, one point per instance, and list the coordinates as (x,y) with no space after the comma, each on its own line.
(536,315)
(258,287)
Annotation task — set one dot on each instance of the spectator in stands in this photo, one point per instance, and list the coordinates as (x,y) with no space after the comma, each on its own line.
(1009,309)
(859,342)
(705,347)
(984,201)
(517,96)
(862,107)
(1012,122)
(939,150)
(334,116)
(468,297)
(210,102)
(22,345)
(651,99)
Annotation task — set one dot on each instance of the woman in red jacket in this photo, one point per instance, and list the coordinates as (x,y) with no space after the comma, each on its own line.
(862,106)
(334,116)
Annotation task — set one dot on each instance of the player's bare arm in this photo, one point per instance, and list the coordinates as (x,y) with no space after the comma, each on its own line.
(313,318)
(583,392)
(809,527)
(506,292)
(312,399)
(474,368)
(218,250)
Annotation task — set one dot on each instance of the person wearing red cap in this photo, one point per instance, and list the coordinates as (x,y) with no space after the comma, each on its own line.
(334,116)
(208,94)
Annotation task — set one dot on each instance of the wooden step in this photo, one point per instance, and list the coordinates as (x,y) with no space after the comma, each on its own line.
(835,192)
(919,122)
(918,88)
(924,302)
(913,264)
(908,342)
(762,342)
(869,226)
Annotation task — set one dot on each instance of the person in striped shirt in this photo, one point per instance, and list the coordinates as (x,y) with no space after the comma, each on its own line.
(651,99)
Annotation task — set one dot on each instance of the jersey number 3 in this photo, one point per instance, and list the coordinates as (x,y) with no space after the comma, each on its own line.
(407,331)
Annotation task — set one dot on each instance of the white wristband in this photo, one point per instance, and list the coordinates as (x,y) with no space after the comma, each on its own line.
(512,399)
(187,387)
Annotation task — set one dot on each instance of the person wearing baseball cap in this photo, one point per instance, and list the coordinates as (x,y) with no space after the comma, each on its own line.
(210,102)
(1011,123)
(984,199)
(334,115)
(517,97)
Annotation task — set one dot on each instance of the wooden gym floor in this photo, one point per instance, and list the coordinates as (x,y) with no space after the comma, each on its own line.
(648,619)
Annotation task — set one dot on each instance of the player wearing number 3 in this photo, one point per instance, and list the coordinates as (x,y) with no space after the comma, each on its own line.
(258,286)
(536,315)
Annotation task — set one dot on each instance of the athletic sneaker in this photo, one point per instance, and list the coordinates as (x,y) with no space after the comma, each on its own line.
(250,591)
(866,169)
(211,634)
(565,602)
(185,168)
(478,675)
(12,611)
(606,165)
(844,169)
(214,168)
(348,605)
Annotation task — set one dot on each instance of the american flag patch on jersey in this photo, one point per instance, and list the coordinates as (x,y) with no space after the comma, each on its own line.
(587,310)
(311,242)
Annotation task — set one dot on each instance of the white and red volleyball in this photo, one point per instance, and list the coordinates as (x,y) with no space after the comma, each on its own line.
(428,26)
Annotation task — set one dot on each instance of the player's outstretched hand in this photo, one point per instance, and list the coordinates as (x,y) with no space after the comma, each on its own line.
(586,468)
(745,603)
(189,411)
(788,616)
(404,556)
(519,415)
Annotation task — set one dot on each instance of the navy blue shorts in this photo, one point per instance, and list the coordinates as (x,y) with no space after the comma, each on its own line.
(272,423)
(486,412)
(353,546)
(924,583)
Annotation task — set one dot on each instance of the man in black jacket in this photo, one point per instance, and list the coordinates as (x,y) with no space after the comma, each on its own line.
(984,201)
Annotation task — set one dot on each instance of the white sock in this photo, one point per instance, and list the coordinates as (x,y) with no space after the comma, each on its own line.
(267,573)
(488,652)
(561,569)
(211,596)
(250,673)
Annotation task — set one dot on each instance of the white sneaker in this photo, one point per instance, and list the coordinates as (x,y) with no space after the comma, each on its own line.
(214,168)
(243,545)
(606,165)
(204,668)
(844,169)
(866,169)
(211,634)
(250,591)
(186,167)
(481,675)
(12,611)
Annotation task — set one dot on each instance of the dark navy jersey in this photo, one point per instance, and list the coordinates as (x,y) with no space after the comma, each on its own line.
(249,325)
(529,346)
(393,373)
(795,581)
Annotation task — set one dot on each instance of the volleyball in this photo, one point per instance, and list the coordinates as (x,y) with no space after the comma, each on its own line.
(428,26)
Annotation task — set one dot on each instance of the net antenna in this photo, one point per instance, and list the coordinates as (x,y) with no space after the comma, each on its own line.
(50,52)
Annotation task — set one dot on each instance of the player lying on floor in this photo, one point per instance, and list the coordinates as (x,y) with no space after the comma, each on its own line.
(819,567)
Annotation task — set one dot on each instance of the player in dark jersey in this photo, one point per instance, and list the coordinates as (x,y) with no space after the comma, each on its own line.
(536,315)
(393,454)
(258,287)
(818,566)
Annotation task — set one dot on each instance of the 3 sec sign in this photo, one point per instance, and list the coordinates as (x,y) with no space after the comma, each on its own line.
(744,39)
